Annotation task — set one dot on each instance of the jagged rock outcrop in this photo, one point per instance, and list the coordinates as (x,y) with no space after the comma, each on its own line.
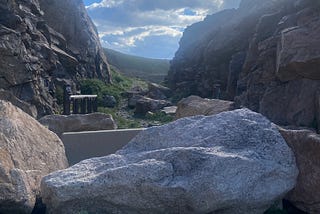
(44,45)
(233,162)
(28,151)
(207,47)
(264,55)
(280,76)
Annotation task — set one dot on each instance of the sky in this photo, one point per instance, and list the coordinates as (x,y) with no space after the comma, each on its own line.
(149,28)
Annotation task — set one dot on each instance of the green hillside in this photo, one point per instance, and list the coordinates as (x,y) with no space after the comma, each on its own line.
(153,70)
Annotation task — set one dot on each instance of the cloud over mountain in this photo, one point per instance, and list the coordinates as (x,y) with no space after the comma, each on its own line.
(149,28)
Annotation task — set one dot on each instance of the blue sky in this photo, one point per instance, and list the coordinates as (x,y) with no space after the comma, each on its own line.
(149,28)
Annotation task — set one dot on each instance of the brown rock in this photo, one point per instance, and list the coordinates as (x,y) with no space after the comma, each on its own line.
(299,54)
(28,151)
(195,105)
(158,92)
(145,104)
(78,122)
(279,78)
(306,147)
(132,101)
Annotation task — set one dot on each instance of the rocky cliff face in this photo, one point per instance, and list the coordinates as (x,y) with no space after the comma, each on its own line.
(280,77)
(207,48)
(265,55)
(44,45)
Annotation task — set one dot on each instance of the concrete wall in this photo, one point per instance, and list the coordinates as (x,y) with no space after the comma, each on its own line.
(84,145)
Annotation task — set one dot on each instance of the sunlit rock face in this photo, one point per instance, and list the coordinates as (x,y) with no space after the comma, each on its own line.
(45,44)
(264,55)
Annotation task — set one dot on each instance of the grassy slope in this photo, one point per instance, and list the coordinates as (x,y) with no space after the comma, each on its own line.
(123,116)
(153,70)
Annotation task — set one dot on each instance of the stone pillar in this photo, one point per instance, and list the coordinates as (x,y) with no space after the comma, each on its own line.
(89,105)
(75,106)
(84,105)
(95,104)
(66,99)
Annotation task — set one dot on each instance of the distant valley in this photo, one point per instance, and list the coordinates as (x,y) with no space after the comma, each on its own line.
(153,70)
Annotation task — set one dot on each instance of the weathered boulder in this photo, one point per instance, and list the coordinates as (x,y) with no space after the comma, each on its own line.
(233,162)
(306,147)
(195,105)
(26,107)
(28,151)
(145,104)
(158,92)
(132,101)
(78,122)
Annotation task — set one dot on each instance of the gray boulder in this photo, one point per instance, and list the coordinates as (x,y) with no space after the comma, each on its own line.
(78,122)
(28,151)
(233,162)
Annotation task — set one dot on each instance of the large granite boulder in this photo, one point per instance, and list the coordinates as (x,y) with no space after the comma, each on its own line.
(78,122)
(28,151)
(195,105)
(232,162)
(45,45)
(306,147)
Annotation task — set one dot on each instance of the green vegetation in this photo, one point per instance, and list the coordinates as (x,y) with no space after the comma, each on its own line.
(153,70)
(123,116)
(59,94)
(160,117)
(274,209)
(122,122)
(120,84)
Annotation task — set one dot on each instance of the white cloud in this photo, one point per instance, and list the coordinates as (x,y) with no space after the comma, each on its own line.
(129,25)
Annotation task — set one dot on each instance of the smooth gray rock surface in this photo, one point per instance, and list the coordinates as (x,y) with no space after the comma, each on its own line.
(232,162)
